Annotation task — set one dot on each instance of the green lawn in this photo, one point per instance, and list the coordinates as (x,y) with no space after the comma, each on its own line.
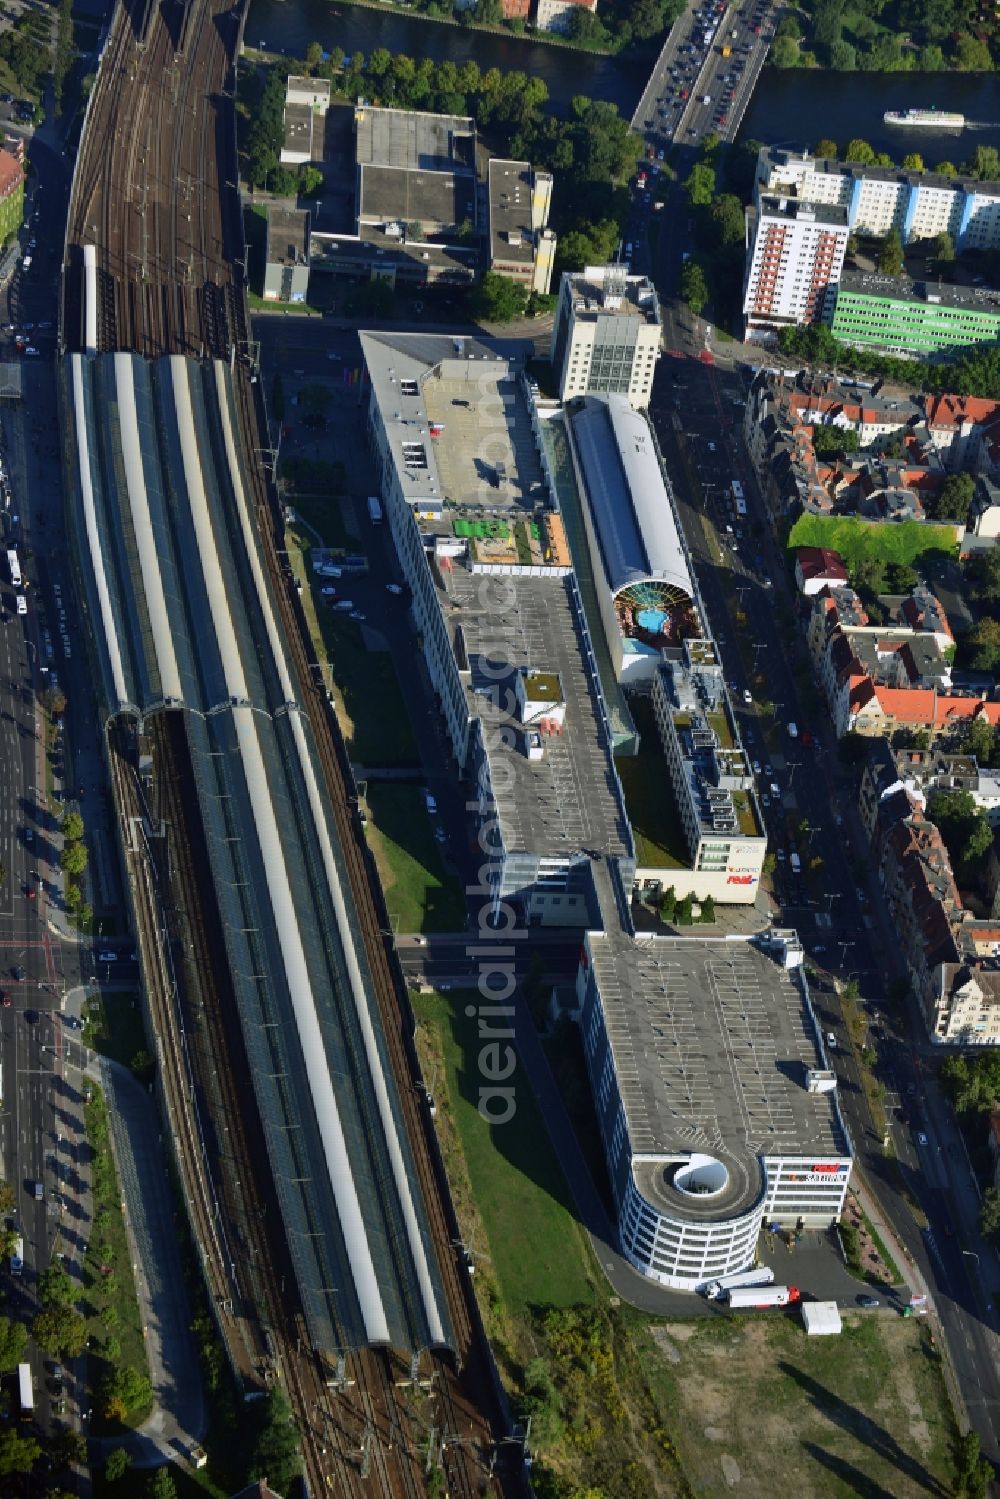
(113,1026)
(857,539)
(313,488)
(537,1251)
(420,894)
(863,1413)
(649,798)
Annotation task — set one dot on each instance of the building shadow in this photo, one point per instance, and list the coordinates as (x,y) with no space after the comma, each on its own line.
(863,1428)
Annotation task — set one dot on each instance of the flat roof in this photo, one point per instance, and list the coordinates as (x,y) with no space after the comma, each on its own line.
(712,1042)
(509,185)
(603,291)
(907,289)
(287,236)
(415,196)
(298,128)
(773,156)
(412,141)
(297,84)
(470,389)
(564,803)
(778,205)
(372,247)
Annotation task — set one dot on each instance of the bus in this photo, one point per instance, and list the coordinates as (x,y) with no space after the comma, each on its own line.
(738,497)
(15,567)
(25,1390)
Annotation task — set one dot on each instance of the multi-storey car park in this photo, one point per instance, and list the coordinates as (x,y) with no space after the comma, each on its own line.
(716,1106)
(286,1068)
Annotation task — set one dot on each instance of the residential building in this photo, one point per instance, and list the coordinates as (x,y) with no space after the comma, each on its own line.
(606,335)
(712,780)
(817,568)
(920,205)
(11,195)
(286,268)
(795,255)
(521,245)
(646,592)
(716,1104)
(916,876)
(924,319)
(993,1140)
(515,10)
(555,15)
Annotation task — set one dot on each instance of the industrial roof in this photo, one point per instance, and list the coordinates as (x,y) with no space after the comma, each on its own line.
(186,620)
(632,511)
(413,141)
(712,1041)
(509,187)
(287,236)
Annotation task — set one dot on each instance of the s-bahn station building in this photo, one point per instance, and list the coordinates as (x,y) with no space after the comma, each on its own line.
(717,1109)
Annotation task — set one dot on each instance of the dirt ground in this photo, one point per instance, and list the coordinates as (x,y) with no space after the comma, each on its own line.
(759,1408)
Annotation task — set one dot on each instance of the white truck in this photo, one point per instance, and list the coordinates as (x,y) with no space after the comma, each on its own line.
(374,509)
(716,1289)
(760,1298)
(17,1257)
(796,863)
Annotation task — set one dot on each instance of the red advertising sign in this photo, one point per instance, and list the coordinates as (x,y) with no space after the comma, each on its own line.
(829,1168)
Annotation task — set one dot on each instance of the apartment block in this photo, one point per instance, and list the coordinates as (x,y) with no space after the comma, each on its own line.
(796,255)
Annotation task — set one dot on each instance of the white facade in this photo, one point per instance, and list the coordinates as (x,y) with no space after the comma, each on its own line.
(877,199)
(554,15)
(606,335)
(796,256)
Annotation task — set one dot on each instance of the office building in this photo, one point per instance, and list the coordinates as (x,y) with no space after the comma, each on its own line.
(925,319)
(521,245)
(606,336)
(286,268)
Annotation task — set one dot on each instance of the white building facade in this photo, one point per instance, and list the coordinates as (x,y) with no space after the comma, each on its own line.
(606,335)
(796,254)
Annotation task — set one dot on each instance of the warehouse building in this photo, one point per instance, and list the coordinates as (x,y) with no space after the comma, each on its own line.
(717,1108)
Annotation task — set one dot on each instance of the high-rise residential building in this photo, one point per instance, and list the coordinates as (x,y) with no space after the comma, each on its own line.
(921,205)
(796,252)
(606,337)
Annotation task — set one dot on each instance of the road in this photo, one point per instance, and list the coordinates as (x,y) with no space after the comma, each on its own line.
(697,412)
(705,74)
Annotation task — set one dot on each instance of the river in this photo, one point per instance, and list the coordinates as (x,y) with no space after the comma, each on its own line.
(290,25)
(842,105)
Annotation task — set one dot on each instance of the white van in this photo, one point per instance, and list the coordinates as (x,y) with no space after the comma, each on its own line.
(22,603)
(17,1257)
(793,730)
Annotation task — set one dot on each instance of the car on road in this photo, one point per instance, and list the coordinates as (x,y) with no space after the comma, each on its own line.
(328,592)
(29,835)
(869,1302)
(747,697)
(920,1137)
(38,1191)
(107,956)
(756,767)
(19,973)
(831,1040)
(73,1021)
(357,614)
(4,999)
(344,605)
(393,588)
(440,835)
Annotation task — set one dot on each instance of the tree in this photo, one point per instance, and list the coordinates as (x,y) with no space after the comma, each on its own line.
(311,180)
(314,56)
(13,1344)
(275,1454)
(900,577)
(972,55)
(953,499)
(61,1331)
(8,1197)
(984,163)
(975,1472)
(827,148)
(989,1214)
(965,829)
(843,56)
(73,858)
(890,255)
(947,169)
(708,909)
(499,299)
(913,162)
(55,1288)
(832,442)
(67,1447)
(161,1485)
(117,1464)
(17,1454)
(785,51)
(944,248)
(859,151)
(72,827)
(700,185)
(694,287)
(123,1390)
(789,26)
(668,905)
(376,298)
(985,640)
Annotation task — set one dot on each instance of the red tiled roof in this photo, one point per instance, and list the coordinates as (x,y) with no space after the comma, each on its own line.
(919,705)
(814,562)
(11,173)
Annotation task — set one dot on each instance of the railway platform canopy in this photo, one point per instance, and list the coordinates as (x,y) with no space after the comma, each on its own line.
(185,621)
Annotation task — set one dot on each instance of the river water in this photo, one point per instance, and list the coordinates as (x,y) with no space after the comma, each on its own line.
(290,25)
(839,105)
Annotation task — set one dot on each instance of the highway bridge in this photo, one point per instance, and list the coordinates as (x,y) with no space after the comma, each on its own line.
(275,1004)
